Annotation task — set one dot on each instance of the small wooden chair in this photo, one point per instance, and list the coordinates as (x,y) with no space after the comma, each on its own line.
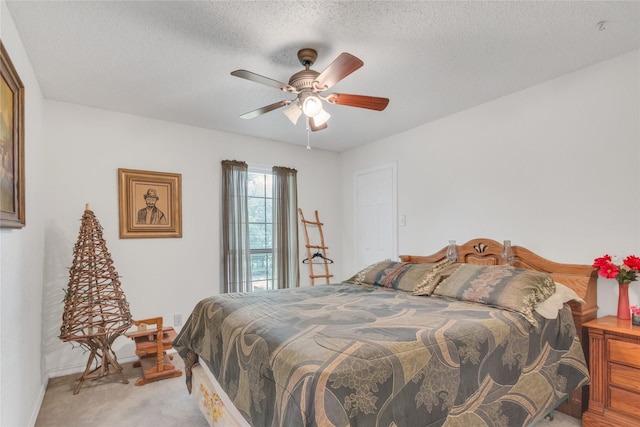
(151,345)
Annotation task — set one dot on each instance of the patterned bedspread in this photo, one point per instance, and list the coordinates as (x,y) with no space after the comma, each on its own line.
(345,354)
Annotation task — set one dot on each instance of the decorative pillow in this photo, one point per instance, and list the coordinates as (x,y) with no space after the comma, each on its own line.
(431,277)
(549,308)
(378,273)
(403,276)
(502,286)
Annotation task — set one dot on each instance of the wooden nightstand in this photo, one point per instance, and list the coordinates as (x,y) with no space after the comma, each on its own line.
(614,365)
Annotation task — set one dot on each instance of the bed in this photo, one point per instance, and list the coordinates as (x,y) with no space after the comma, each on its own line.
(406,343)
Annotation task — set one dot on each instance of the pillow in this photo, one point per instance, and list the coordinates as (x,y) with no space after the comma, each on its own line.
(403,276)
(378,274)
(431,278)
(549,308)
(503,286)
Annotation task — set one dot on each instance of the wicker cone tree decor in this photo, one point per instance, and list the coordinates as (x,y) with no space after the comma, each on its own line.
(96,311)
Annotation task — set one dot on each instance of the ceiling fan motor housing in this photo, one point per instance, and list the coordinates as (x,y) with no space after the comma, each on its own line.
(303,79)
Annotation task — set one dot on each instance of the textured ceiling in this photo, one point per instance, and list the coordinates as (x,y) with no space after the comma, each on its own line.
(172,60)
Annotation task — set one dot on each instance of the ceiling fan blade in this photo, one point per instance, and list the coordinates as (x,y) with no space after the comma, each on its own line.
(313,127)
(265,109)
(360,101)
(244,74)
(340,68)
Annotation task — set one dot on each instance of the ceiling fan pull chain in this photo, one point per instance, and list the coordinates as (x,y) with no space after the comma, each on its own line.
(308,146)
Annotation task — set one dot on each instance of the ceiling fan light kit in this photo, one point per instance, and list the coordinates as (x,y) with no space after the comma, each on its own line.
(308,85)
(293,112)
(311,104)
(321,118)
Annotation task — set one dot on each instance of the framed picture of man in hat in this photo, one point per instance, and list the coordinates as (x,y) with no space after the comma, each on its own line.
(150,204)
(12,178)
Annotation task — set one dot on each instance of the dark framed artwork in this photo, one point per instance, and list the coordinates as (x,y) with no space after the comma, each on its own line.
(150,204)
(12,191)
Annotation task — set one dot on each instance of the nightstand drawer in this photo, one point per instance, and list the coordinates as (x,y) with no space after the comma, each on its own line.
(625,377)
(624,402)
(624,352)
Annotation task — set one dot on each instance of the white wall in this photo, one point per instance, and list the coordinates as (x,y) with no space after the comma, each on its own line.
(160,277)
(553,168)
(22,372)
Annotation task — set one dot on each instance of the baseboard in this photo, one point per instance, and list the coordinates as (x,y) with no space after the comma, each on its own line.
(79,368)
(36,409)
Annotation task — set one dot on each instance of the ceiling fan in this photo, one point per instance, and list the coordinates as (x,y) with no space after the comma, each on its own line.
(309,84)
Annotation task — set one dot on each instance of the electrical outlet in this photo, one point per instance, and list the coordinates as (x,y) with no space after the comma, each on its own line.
(177,320)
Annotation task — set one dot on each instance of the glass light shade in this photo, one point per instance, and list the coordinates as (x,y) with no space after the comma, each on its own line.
(321,118)
(293,112)
(311,106)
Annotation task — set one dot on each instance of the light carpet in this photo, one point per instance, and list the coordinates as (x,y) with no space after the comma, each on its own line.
(107,402)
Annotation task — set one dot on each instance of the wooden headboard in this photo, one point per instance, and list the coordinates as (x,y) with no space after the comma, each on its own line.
(581,278)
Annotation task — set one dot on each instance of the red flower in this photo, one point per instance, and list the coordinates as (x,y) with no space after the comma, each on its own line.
(599,262)
(632,262)
(625,273)
(609,271)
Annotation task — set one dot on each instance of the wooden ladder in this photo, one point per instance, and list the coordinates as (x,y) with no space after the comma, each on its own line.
(321,250)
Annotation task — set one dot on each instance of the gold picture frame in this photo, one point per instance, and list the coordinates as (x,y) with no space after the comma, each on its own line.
(150,204)
(12,190)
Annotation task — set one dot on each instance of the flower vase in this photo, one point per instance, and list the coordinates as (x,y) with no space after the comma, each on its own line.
(623,301)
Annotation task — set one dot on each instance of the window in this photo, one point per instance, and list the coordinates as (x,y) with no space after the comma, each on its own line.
(256,252)
(260,228)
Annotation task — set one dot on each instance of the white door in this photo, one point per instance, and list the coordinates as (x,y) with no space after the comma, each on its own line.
(375,215)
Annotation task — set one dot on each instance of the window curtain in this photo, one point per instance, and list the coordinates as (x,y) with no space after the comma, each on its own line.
(286,273)
(236,252)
